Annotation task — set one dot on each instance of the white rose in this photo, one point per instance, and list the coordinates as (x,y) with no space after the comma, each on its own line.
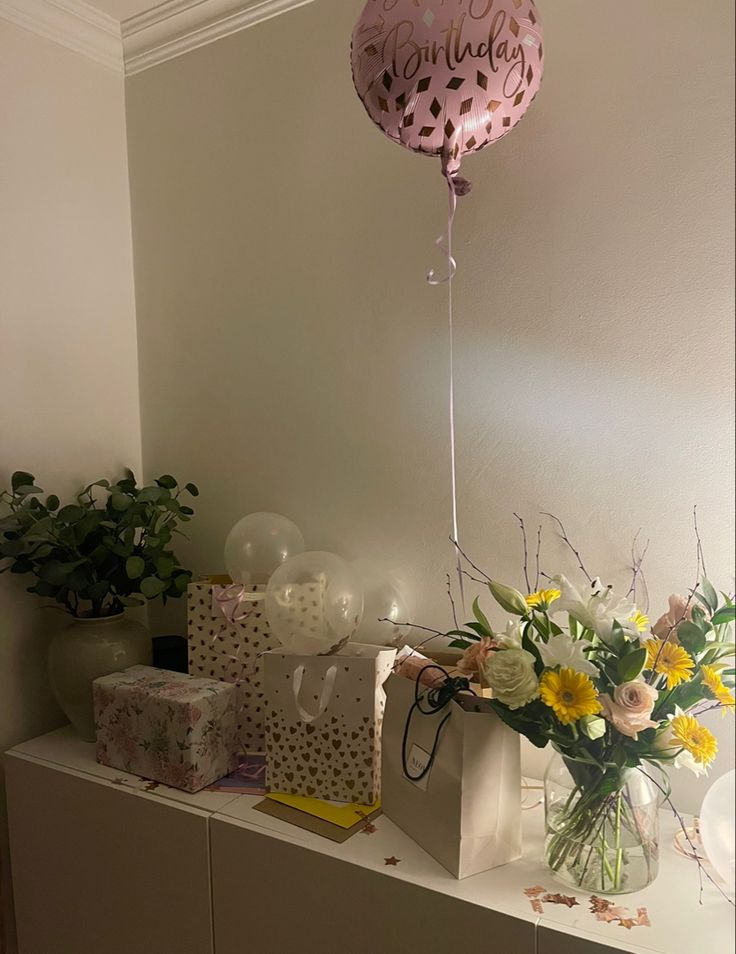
(510,674)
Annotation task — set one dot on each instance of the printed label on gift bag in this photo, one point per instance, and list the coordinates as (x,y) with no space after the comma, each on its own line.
(416,764)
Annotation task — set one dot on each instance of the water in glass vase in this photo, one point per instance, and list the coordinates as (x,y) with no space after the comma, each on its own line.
(601,827)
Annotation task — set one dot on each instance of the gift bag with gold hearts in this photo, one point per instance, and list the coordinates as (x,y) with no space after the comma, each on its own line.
(323,722)
(228,633)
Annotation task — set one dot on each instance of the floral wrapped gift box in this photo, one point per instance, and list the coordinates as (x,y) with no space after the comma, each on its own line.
(166,726)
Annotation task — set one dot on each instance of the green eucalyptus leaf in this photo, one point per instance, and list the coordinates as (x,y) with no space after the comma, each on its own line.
(52,502)
(135,567)
(151,495)
(120,502)
(26,489)
(70,514)
(166,480)
(151,587)
(21,478)
(165,567)
(193,489)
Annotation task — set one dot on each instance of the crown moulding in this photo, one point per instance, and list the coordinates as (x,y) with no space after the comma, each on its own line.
(165,31)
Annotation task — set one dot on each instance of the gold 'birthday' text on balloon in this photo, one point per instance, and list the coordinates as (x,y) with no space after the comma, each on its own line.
(407,56)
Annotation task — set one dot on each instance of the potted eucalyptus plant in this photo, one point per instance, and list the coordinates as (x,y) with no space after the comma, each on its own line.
(107,551)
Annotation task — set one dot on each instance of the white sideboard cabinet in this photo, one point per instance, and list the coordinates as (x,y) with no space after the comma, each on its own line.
(107,863)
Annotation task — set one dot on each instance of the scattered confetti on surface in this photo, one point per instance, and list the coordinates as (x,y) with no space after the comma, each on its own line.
(568,900)
(392,861)
(533,892)
(119,781)
(369,829)
(609,913)
(150,786)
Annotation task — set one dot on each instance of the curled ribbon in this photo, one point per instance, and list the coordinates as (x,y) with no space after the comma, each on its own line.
(456,186)
(235,603)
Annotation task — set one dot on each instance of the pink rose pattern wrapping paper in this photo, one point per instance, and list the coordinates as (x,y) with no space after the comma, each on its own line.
(166,726)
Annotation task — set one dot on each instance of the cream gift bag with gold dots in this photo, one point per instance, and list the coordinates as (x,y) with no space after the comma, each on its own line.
(323,722)
(227,638)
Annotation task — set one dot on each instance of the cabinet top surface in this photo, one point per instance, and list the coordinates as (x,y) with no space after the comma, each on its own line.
(678,922)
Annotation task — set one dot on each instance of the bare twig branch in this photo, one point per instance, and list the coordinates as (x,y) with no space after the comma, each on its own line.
(701,555)
(701,869)
(526,552)
(435,633)
(464,555)
(452,601)
(539,550)
(475,579)
(636,564)
(563,534)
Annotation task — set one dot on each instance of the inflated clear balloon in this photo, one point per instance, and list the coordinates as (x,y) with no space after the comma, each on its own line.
(383,599)
(258,544)
(314,602)
(717,827)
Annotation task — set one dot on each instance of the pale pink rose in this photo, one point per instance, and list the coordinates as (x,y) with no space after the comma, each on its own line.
(475,656)
(679,610)
(630,709)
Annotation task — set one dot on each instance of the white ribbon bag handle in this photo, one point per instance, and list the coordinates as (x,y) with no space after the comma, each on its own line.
(328,686)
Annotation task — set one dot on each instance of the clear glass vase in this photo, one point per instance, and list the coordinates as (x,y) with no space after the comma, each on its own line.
(601,826)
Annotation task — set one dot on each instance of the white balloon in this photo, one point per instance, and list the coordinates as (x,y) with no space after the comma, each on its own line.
(383,599)
(717,827)
(258,544)
(313,602)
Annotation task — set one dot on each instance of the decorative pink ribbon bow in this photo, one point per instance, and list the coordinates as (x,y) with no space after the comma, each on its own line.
(234,603)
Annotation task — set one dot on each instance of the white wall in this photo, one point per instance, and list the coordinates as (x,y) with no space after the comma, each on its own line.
(69,409)
(292,357)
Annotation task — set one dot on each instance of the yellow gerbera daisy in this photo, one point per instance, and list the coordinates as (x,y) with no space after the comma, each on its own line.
(695,738)
(713,681)
(570,694)
(640,620)
(542,598)
(669,659)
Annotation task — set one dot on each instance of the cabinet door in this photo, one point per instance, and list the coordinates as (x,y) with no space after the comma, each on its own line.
(101,870)
(301,900)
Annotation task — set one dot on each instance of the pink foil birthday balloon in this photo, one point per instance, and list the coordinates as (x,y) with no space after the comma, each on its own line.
(447,77)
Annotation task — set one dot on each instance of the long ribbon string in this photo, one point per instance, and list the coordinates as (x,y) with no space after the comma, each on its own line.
(444,243)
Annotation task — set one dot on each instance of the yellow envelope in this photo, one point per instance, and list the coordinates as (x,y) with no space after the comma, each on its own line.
(342,814)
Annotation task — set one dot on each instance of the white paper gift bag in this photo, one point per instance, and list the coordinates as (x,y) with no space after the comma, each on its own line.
(462,801)
(228,633)
(323,725)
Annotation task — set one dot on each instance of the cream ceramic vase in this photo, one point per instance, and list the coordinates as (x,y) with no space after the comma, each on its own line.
(89,648)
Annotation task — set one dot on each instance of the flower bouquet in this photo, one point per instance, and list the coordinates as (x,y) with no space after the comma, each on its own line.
(618,699)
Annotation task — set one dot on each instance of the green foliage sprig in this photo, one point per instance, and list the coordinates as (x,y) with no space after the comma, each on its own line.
(108,550)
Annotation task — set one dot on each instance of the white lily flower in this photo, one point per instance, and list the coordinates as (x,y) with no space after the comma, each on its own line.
(563,650)
(600,610)
(511,637)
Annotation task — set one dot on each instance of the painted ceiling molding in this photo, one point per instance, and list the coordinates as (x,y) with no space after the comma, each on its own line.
(177,26)
(71,23)
(167,30)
